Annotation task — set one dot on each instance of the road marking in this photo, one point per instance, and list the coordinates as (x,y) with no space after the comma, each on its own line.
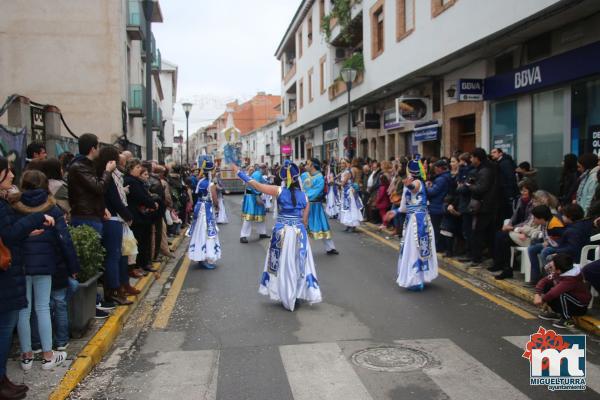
(321,371)
(495,299)
(592,370)
(163,315)
(460,375)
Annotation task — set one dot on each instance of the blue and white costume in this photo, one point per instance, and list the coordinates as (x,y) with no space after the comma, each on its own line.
(204,242)
(333,197)
(253,209)
(418,262)
(289,272)
(318,225)
(350,213)
(266,198)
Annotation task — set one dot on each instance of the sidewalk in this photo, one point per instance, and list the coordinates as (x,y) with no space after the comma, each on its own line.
(84,353)
(515,287)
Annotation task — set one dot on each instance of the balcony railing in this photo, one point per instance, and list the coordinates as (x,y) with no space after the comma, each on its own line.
(338,87)
(137,95)
(291,72)
(136,23)
(156,60)
(291,118)
(155,115)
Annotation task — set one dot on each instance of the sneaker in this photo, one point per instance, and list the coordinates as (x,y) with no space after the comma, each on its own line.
(26,363)
(101,314)
(333,252)
(37,350)
(62,347)
(503,275)
(243,240)
(564,323)
(106,305)
(264,236)
(58,357)
(549,316)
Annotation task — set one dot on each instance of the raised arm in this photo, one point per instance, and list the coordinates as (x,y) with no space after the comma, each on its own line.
(271,190)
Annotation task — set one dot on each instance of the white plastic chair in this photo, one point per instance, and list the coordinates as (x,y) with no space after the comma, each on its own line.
(584,260)
(525,263)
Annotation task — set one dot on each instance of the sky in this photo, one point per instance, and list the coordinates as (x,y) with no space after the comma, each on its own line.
(224,50)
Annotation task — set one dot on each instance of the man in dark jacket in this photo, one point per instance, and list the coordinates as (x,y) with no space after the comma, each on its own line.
(563,291)
(436,191)
(484,204)
(508,181)
(86,188)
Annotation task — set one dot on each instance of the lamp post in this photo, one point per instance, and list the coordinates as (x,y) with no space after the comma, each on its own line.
(187,107)
(349,75)
(180,131)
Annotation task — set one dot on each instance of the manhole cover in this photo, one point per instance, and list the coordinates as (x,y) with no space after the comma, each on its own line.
(392,359)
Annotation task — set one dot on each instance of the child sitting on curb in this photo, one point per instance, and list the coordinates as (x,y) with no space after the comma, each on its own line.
(564,291)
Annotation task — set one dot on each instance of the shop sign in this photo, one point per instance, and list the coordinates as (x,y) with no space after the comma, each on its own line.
(330,134)
(565,67)
(594,136)
(505,143)
(286,149)
(470,89)
(426,133)
(413,109)
(389,119)
(38,126)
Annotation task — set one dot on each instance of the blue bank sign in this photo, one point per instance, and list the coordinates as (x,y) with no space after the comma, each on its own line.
(565,67)
(470,89)
(426,132)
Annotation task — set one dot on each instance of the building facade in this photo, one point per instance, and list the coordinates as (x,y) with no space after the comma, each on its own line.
(442,76)
(87,59)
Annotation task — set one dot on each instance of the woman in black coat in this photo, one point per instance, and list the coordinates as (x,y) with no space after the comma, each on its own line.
(143,208)
(14,229)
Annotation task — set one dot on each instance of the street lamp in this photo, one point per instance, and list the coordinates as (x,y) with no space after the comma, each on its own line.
(349,75)
(187,107)
(180,131)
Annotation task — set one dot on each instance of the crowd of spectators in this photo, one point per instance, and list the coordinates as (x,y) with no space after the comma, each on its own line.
(124,200)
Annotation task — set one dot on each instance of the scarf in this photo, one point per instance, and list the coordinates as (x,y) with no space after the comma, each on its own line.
(118,180)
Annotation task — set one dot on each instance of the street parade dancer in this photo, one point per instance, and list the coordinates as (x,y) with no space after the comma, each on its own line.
(253,210)
(313,184)
(289,273)
(350,213)
(204,238)
(222,213)
(417,263)
(332,208)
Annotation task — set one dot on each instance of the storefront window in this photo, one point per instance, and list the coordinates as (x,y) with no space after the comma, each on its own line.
(548,122)
(585,121)
(503,127)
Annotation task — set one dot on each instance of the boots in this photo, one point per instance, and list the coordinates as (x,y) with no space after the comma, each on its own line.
(119,296)
(10,391)
(130,290)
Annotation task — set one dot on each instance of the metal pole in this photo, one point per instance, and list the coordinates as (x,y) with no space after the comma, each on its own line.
(148,43)
(349,88)
(187,138)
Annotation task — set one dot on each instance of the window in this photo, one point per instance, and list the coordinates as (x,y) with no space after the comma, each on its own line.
(322,74)
(297,147)
(310,85)
(405,18)
(539,47)
(301,93)
(302,146)
(439,6)
(437,96)
(300,43)
(377,31)
(309,29)
(503,63)
(321,10)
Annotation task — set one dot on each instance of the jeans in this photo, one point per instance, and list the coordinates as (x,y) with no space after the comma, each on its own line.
(41,285)
(60,311)
(534,250)
(8,321)
(112,241)
(96,225)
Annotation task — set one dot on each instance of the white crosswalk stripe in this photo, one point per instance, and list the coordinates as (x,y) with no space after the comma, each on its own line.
(592,370)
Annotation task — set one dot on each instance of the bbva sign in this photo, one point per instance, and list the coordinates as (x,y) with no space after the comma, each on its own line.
(528,77)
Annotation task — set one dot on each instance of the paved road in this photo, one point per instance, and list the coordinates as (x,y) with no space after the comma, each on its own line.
(369,339)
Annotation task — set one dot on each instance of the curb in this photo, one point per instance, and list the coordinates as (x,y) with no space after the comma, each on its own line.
(586,323)
(103,340)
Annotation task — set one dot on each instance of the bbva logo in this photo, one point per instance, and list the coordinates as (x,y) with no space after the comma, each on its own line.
(528,77)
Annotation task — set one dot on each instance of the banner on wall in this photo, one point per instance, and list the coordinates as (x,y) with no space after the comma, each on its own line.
(12,147)
(505,143)
(594,138)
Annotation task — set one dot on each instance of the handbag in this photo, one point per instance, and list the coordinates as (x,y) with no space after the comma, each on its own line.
(168,218)
(5,256)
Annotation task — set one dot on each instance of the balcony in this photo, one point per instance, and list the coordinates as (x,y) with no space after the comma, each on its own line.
(291,118)
(156,115)
(338,87)
(137,95)
(290,73)
(156,60)
(148,47)
(136,23)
